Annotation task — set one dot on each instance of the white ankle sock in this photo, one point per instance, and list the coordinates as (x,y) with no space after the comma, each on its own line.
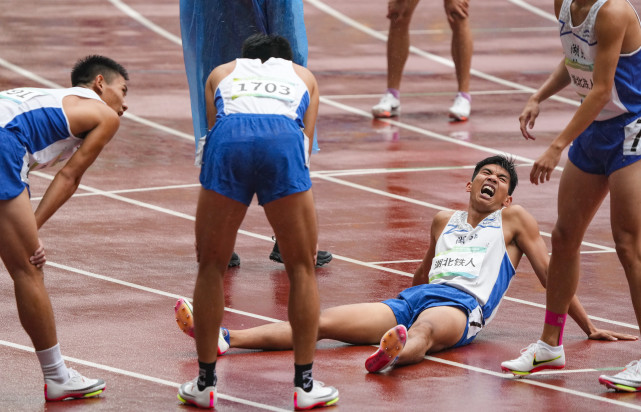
(52,364)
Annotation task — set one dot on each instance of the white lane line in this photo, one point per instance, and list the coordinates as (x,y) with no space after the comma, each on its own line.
(141,376)
(535,383)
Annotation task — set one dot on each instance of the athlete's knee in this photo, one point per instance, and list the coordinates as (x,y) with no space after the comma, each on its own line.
(27,274)
(628,247)
(565,239)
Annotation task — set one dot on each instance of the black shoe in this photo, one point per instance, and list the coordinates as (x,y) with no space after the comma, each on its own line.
(234,261)
(322,257)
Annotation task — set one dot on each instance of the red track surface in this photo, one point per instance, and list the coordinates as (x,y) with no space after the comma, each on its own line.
(121,251)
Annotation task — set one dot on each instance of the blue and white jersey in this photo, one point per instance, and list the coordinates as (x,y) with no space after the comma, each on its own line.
(36,118)
(474,260)
(579,44)
(254,87)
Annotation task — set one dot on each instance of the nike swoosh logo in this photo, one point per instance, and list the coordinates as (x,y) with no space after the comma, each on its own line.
(536,363)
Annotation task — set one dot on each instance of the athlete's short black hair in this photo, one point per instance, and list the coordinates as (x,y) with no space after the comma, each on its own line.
(263,46)
(87,68)
(503,161)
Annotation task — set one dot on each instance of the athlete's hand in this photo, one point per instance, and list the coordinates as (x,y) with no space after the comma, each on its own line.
(456,9)
(544,165)
(527,118)
(38,259)
(602,334)
(396,8)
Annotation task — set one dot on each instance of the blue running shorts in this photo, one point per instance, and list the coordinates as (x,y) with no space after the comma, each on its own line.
(248,153)
(607,146)
(413,301)
(12,154)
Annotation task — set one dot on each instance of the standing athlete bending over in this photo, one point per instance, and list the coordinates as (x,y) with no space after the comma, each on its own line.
(39,128)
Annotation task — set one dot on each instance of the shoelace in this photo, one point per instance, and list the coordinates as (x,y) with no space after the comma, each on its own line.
(531,348)
(632,368)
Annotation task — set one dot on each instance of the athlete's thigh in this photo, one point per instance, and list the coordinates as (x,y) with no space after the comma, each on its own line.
(625,197)
(580,195)
(444,324)
(19,233)
(217,221)
(293,219)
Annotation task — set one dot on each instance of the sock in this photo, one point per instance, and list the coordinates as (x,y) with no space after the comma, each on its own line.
(394,92)
(303,377)
(558,320)
(206,375)
(52,364)
(466,95)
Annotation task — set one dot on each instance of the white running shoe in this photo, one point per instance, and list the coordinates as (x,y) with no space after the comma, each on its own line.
(460,110)
(628,380)
(191,395)
(76,387)
(534,358)
(388,106)
(320,396)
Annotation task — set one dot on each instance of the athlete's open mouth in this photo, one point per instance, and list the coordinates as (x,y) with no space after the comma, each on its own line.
(487,190)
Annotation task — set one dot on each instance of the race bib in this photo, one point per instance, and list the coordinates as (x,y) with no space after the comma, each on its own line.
(262,87)
(20,95)
(459,261)
(580,76)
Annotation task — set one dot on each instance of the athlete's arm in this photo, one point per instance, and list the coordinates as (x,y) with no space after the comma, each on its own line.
(421,275)
(215,77)
(311,114)
(66,181)
(609,34)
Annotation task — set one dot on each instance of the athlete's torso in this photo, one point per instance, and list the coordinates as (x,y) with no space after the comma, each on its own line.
(254,87)
(474,259)
(580,46)
(37,119)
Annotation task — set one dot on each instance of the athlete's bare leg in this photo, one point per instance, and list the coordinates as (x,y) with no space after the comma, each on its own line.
(625,196)
(18,242)
(293,219)
(217,221)
(580,195)
(361,323)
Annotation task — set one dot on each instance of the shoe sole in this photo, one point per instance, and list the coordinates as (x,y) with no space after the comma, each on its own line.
(78,395)
(458,119)
(618,386)
(212,403)
(525,373)
(316,405)
(184,317)
(386,114)
(392,343)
